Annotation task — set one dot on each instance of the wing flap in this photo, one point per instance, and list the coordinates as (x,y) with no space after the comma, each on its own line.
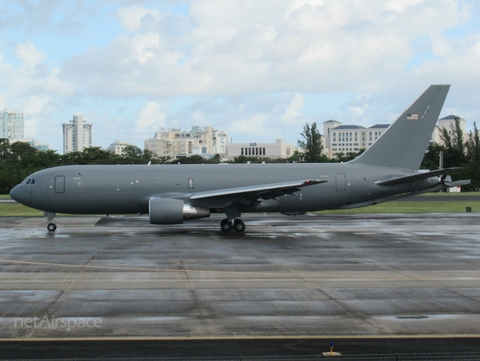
(415,177)
(269,190)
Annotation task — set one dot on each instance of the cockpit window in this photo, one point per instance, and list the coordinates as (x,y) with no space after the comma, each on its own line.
(33,181)
(28,181)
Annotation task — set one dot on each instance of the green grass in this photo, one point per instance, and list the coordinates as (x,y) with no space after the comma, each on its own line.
(426,206)
(5,196)
(412,207)
(18,210)
(446,195)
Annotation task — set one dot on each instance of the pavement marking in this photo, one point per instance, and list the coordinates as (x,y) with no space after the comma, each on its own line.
(235,338)
(287,276)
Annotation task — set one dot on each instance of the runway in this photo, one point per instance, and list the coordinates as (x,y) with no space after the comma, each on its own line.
(309,277)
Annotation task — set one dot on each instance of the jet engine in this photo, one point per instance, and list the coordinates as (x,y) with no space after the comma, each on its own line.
(174,211)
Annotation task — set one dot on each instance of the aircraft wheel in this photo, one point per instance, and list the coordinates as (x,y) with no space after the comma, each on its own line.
(239,225)
(226,225)
(52,227)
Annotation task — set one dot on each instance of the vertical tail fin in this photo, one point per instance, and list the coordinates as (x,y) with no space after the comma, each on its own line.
(404,143)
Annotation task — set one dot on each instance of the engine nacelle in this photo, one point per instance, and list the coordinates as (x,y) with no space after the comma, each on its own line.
(174,211)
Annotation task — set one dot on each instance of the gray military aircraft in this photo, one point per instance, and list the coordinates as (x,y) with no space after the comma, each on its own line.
(170,194)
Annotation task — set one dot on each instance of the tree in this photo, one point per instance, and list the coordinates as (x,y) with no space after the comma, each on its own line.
(245,159)
(345,157)
(296,157)
(431,159)
(216,159)
(147,156)
(132,154)
(312,144)
(194,159)
(472,146)
(454,155)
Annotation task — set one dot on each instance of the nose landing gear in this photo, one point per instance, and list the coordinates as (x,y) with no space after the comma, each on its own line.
(51,226)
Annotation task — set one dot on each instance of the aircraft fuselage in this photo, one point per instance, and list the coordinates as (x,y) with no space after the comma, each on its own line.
(126,189)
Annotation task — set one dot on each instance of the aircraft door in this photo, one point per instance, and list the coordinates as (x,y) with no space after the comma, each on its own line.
(60,184)
(340,182)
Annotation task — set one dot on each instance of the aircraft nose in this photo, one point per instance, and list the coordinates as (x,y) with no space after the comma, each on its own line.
(16,193)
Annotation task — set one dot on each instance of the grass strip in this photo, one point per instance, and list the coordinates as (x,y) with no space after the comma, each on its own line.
(412,207)
(426,206)
(19,210)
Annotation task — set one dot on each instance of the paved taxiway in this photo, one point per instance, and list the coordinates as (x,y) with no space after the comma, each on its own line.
(309,276)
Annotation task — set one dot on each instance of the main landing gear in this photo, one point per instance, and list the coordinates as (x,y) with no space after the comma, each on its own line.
(227,225)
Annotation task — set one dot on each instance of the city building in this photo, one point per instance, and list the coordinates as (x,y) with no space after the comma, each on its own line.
(77,134)
(11,125)
(117,147)
(34,144)
(276,150)
(339,138)
(200,140)
(448,122)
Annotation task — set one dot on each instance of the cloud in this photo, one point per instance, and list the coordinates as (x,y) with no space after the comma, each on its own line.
(29,55)
(400,5)
(241,47)
(294,110)
(34,108)
(151,117)
(252,127)
(32,76)
(241,65)
(131,17)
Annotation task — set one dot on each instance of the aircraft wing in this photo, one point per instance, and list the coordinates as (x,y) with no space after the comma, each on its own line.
(416,176)
(265,191)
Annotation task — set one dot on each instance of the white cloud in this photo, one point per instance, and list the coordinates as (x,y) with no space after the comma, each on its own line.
(131,17)
(241,47)
(294,110)
(29,55)
(251,127)
(33,108)
(32,76)
(400,5)
(269,54)
(151,117)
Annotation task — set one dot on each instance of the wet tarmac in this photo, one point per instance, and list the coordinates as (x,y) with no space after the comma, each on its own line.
(305,278)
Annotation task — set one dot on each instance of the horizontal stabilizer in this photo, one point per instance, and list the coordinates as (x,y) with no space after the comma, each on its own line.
(256,190)
(416,176)
(449,183)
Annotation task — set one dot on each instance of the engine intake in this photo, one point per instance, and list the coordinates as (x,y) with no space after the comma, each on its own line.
(174,211)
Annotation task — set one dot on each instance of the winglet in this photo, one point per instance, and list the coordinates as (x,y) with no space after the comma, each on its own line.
(404,143)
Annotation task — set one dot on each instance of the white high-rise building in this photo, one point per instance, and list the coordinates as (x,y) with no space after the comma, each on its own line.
(77,134)
(11,125)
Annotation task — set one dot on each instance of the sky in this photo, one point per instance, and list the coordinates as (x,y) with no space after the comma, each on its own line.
(257,69)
